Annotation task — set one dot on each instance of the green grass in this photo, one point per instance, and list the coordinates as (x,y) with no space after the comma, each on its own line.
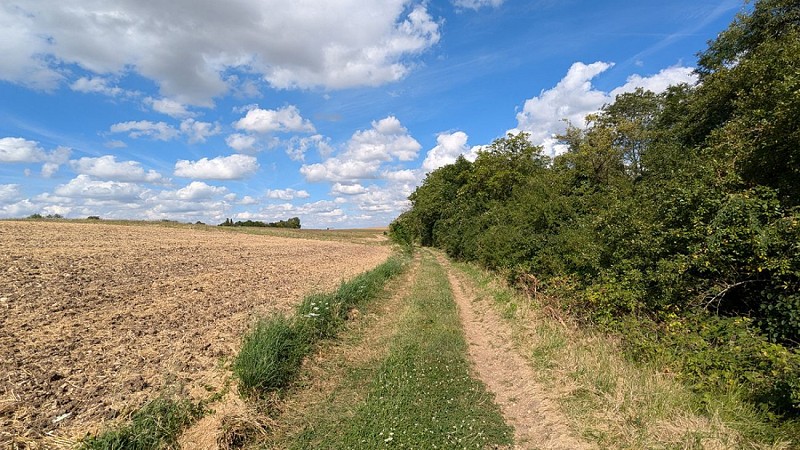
(422,395)
(271,355)
(157,425)
(273,351)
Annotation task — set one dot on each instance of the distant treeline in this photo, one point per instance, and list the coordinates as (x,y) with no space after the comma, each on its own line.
(294,222)
(673,219)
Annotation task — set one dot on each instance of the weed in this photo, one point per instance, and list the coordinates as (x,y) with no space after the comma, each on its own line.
(155,426)
(271,354)
(273,350)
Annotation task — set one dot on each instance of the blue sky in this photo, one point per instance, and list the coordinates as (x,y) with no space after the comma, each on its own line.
(332,111)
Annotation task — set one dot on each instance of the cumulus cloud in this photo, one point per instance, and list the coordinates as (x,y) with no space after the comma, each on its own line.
(199,131)
(449,146)
(108,168)
(248,200)
(339,169)
(197,190)
(144,128)
(298,146)
(23,50)
(671,76)
(9,193)
(242,143)
(388,140)
(84,187)
(286,119)
(20,150)
(188,48)
(347,189)
(234,167)
(169,107)
(286,194)
(574,97)
(97,85)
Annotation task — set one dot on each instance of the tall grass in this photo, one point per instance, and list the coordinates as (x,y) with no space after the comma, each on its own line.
(155,426)
(273,351)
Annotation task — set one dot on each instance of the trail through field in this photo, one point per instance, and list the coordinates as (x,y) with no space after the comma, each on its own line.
(537,420)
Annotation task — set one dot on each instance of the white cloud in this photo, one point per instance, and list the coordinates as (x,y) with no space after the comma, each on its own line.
(477,4)
(403,176)
(286,119)
(347,189)
(199,131)
(671,76)
(23,49)
(9,193)
(197,190)
(574,97)
(169,107)
(449,147)
(188,48)
(286,194)
(232,167)
(388,140)
(108,168)
(145,128)
(242,143)
(339,169)
(22,208)
(96,85)
(19,150)
(298,146)
(84,187)
(248,200)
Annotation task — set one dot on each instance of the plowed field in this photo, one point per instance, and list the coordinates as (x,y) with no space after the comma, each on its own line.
(96,319)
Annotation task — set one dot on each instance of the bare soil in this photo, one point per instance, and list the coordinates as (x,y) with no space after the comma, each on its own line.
(526,405)
(96,319)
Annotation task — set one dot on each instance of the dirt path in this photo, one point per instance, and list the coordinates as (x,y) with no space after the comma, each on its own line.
(537,421)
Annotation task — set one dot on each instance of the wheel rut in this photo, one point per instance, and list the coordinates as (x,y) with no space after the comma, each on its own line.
(536,418)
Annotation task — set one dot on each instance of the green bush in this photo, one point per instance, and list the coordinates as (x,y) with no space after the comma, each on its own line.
(718,354)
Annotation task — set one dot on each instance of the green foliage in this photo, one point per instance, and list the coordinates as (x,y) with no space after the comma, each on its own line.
(685,203)
(155,426)
(293,223)
(720,354)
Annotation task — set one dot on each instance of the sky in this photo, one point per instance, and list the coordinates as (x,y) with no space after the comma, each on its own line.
(332,111)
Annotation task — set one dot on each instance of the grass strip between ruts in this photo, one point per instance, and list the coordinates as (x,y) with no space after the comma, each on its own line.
(422,395)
